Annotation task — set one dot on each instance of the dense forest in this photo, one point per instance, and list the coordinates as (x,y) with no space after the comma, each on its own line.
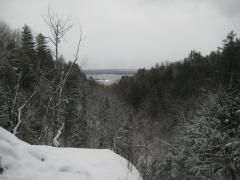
(175,121)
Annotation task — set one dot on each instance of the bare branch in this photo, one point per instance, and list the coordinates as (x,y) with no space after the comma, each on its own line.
(20,113)
(58,26)
(21,108)
(55,139)
(16,93)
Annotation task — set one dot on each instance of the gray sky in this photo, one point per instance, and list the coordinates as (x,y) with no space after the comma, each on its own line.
(132,33)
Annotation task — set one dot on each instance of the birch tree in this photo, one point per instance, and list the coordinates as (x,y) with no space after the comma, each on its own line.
(59,26)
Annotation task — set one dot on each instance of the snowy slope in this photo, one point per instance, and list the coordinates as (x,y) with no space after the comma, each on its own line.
(22,161)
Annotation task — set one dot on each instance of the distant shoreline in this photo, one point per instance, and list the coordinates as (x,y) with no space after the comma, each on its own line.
(110,71)
(108,76)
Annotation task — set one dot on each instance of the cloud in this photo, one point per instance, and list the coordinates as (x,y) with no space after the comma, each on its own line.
(133,33)
(229,8)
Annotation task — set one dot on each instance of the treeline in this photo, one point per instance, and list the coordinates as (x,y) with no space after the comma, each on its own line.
(185,78)
(162,86)
(195,104)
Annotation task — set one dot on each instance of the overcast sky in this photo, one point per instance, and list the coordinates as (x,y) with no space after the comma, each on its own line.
(132,33)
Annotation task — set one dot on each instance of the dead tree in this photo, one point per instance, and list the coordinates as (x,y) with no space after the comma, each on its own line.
(15,97)
(59,26)
(20,112)
(22,106)
(61,86)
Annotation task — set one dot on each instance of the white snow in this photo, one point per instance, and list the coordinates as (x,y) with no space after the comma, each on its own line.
(22,161)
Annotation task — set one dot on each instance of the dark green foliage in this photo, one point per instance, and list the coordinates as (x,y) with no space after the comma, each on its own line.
(45,60)
(28,42)
(231,59)
(28,58)
(180,79)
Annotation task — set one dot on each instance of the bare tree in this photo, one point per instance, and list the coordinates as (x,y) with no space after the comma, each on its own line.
(21,108)
(61,86)
(15,97)
(59,26)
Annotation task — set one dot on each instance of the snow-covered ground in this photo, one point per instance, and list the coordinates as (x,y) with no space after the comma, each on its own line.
(22,161)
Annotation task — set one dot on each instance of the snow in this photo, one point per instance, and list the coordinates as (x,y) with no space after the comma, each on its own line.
(22,161)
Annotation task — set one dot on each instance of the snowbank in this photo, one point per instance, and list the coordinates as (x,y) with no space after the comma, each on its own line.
(22,161)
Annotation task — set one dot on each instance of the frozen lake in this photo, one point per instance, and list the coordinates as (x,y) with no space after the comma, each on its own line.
(108,76)
(105,79)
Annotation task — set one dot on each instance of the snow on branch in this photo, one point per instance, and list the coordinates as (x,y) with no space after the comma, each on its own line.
(55,139)
(20,113)
(22,106)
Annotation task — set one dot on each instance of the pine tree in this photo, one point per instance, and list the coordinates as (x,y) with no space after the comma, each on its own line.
(28,63)
(231,59)
(28,42)
(45,60)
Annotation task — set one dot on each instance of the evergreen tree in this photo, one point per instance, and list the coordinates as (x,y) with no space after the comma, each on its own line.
(45,60)
(231,59)
(28,58)
(28,42)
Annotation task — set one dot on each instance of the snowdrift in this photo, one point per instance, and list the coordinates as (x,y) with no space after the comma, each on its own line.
(22,161)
